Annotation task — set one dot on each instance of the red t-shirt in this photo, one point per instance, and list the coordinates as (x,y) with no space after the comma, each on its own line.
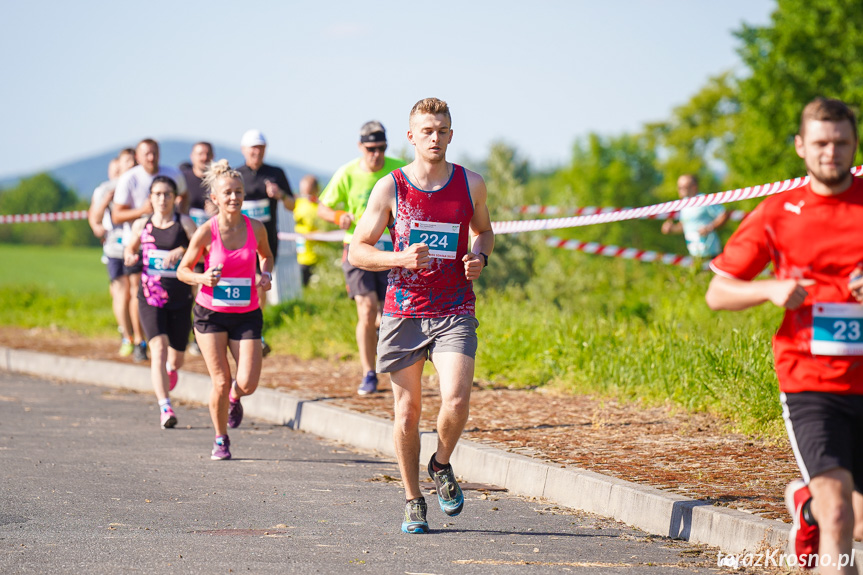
(806,236)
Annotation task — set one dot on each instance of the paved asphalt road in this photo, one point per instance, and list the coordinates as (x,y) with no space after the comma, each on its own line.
(90,484)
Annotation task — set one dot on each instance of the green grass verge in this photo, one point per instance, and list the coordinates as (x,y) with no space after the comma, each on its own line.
(582,324)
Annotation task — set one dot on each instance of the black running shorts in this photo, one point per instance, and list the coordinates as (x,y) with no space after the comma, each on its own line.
(826,432)
(176,323)
(239,326)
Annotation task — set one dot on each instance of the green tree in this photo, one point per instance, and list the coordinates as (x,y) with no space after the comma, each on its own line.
(809,49)
(39,194)
(698,136)
(619,171)
(505,177)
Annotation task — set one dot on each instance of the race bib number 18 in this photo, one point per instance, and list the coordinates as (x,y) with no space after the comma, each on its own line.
(837,329)
(442,239)
(232,292)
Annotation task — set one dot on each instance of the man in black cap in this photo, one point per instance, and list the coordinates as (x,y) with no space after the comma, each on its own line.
(342,202)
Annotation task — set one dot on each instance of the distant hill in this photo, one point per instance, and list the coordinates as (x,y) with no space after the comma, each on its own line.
(84,175)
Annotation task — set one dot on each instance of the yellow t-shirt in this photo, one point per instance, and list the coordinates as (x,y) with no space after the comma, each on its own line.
(306,221)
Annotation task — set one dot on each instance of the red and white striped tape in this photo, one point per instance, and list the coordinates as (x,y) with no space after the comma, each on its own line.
(619,252)
(516,226)
(48,217)
(540,210)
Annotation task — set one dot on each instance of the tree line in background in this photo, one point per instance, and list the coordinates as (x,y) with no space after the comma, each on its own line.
(736,131)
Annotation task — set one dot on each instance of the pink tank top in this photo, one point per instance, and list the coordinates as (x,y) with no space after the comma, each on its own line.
(236,291)
(441,220)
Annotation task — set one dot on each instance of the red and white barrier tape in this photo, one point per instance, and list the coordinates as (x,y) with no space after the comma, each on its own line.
(619,252)
(331,236)
(540,210)
(516,226)
(49,217)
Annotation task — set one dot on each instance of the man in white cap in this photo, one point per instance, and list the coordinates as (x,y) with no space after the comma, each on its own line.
(265,187)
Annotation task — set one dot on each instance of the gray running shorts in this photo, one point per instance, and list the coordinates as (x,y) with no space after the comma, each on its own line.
(403,341)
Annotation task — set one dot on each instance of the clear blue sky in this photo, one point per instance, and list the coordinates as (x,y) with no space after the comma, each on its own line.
(86,77)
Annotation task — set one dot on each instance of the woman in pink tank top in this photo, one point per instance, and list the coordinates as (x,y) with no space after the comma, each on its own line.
(227,311)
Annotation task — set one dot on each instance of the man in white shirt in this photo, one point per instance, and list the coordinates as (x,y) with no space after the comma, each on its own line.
(132,201)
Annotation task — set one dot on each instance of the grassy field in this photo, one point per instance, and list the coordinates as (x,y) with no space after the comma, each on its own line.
(581,324)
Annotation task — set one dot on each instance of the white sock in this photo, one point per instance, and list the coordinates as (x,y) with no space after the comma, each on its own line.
(169,368)
(165,404)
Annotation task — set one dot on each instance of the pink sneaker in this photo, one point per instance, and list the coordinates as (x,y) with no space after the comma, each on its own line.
(804,537)
(169,420)
(173,376)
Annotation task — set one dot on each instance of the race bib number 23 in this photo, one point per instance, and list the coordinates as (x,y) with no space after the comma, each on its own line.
(837,329)
(442,239)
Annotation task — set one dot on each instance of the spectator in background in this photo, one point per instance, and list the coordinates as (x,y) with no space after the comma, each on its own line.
(265,186)
(343,201)
(99,217)
(201,207)
(307,221)
(132,201)
(698,224)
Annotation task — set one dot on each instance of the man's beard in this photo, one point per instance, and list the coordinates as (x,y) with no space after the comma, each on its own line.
(828,178)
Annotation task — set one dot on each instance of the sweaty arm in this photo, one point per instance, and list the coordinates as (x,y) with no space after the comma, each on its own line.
(732,294)
(265,255)
(340,218)
(130,254)
(97,212)
(200,240)
(717,223)
(480,227)
(379,212)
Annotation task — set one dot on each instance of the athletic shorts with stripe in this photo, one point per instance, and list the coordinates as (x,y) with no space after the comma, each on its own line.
(826,432)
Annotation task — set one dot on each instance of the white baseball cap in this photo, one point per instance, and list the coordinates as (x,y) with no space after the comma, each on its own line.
(253,138)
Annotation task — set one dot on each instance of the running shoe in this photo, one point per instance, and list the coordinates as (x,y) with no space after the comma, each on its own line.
(265,348)
(415,516)
(140,352)
(193,349)
(369,384)
(173,377)
(221,448)
(235,413)
(169,420)
(804,536)
(126,348)
(449,495)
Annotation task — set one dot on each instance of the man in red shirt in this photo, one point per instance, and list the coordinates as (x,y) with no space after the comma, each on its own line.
(812,236)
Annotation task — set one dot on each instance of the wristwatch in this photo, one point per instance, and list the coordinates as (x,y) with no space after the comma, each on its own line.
(485,259)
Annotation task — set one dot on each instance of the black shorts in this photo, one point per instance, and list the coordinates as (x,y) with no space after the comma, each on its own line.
(239,326)
(363,282)
(115,268)
(135,269)
(826,432)
(176,323)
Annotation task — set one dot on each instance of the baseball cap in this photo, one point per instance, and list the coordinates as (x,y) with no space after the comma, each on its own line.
(253,138)
(373,132)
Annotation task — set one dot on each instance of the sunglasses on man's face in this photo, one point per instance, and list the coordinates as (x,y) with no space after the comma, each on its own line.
(372,149)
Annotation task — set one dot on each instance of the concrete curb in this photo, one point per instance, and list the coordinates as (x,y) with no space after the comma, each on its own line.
(647,508)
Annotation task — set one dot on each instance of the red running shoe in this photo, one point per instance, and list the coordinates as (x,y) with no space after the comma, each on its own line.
(804,536)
